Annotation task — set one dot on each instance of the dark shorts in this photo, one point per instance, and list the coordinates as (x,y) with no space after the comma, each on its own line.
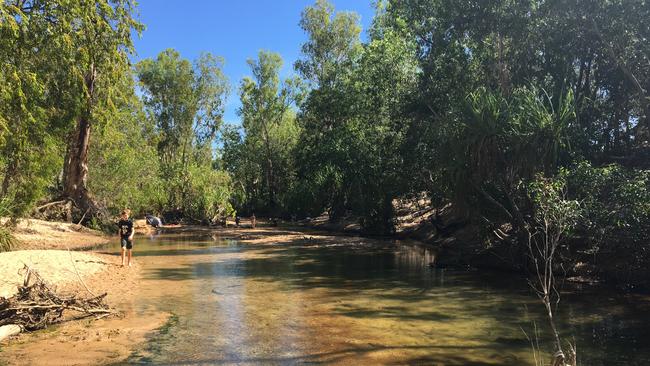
(125,242)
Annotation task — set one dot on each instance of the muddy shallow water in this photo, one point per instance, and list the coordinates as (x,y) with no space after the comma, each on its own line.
(358,301)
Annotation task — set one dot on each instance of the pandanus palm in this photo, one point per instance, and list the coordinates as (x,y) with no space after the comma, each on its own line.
(504,141)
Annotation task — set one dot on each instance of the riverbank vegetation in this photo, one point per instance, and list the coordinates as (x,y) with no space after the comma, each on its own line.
(470,103)
(466,103)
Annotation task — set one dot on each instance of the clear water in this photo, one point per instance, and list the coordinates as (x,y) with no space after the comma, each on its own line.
(360,301)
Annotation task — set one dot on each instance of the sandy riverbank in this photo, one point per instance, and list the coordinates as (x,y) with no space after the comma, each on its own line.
(44,247)
(103,341)
(57,267)
(39,234)
(66,270)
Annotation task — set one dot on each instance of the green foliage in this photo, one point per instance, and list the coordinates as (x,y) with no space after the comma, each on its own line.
(502,141)
(208,194)
(184,103)
(49,51)
(616,205)
(195,113)
(261,161)
(554,214)
(333,42)
(354,120)
(7,240)
(125,165)
(29,129)
(66,64)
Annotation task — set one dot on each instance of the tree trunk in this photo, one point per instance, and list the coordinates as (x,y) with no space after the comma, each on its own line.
(270,174)
(10,172)
(75,168)
(271,185)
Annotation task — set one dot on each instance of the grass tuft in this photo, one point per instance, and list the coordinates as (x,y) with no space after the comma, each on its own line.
(7,240)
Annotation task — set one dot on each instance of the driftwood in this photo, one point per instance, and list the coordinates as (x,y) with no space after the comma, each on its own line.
(54,203)
(55,210)
(36,306)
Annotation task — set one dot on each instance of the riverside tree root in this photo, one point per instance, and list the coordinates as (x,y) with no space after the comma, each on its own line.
(36,306)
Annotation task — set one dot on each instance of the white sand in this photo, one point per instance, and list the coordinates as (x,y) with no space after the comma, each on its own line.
(54,266)
(39,234)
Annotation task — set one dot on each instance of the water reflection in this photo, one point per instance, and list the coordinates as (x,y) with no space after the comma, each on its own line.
(358,301)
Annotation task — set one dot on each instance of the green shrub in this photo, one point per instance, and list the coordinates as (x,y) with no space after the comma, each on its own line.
(208,193)
(615,202)
(7,240)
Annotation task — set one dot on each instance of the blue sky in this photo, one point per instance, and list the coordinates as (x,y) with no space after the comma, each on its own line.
(235,30)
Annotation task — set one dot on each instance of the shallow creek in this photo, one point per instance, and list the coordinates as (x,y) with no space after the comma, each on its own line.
(358,301)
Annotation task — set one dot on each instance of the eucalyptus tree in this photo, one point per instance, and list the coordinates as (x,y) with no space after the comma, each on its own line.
(332,47)
(26,128)
(99,34)
(269,122)
(333,42)
(124,159)
(63,59)
(185,102)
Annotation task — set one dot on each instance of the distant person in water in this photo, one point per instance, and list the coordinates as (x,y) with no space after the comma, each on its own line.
(126,232)
(237,220)
(253,221)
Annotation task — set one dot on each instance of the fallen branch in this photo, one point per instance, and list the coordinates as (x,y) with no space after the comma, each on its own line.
(83,217)
(39,208)
(36,306)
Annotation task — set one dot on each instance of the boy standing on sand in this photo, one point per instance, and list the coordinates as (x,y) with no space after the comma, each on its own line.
(126,234)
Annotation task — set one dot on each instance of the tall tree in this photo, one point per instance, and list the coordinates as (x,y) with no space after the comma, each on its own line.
(327,64)
(355,122)
(63,59)
(100,43)
(265,107)
(124,159)
(185,102)
(333,42)
(26,128)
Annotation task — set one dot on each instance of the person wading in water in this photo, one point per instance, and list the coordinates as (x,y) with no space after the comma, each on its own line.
(126,232)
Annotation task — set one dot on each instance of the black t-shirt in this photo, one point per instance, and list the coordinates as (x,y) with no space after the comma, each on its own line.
(126,228)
